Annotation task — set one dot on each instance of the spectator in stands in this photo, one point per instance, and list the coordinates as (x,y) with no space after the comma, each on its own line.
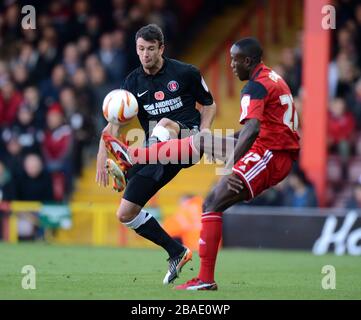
(298,101)
(21,77)
(292,73)
(347,73)
(80,123)
(48,55)
(345,42)
(59,14)
(341,130)
(10,100)
(7,184)
(83,92)
(13,156)
(354,102)
(355,201)
(57,149)
(358,33)
(12,30)
(71,61)
(32,101)
(35,183)
(299,193)
(93,30)
(27,57)
(113,59)
(50,88)
(4,73)
(79,18)
(84,47)
(100,88)
(24,131)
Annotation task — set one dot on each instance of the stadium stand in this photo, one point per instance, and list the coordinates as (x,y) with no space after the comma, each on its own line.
(53,78)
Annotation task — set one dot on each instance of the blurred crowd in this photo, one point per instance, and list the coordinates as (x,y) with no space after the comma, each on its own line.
(53,80)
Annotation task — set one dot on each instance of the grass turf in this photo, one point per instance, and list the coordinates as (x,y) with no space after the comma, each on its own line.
(79,272)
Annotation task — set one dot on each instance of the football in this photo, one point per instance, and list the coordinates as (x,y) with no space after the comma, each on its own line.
(120,106)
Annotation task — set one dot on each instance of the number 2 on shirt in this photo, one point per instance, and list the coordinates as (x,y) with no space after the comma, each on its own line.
(290,117)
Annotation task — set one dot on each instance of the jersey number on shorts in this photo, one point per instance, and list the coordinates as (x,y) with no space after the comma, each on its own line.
(290,117)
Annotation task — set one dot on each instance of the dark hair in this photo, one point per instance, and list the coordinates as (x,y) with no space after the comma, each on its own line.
(250,47)
(150,32)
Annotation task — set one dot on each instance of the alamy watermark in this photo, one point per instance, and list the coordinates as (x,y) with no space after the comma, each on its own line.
(29,280)
(29,19)
(329,17)
(217,147)
(329,280)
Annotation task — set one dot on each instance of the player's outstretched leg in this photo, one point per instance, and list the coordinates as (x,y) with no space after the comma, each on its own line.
(144,224)
(118,149)
(173,151)
(216,202)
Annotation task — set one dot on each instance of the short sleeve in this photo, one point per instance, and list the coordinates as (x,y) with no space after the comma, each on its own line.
(126,84)
(199,87)
(252,101)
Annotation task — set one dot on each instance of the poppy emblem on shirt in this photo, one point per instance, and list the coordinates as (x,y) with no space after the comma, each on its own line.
(173,86)
(159,95)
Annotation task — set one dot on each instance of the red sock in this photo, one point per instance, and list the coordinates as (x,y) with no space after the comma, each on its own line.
(211,234)
(174,151)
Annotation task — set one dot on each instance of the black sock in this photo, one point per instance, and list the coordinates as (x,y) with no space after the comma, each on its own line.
(152,231)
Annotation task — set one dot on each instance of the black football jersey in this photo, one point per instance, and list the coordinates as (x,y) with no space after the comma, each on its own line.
(171,93)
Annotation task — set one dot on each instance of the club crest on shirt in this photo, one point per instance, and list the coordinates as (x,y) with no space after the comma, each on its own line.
(173,86)
(159,95)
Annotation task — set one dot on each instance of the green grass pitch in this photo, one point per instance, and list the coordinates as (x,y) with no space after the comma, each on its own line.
(80,272)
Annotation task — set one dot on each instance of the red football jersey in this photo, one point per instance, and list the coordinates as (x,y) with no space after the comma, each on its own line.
(268,98)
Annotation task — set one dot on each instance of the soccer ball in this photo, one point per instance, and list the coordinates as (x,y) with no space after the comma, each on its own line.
(120,106)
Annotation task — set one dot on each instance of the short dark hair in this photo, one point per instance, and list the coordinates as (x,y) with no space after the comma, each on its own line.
(150,32)
(251,48)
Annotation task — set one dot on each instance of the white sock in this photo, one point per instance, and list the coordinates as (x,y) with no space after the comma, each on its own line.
(142,217)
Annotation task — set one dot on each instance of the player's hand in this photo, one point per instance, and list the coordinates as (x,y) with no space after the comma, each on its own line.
(234,183)
(102,177)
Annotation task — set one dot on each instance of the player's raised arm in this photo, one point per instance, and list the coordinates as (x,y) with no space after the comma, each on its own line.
(208,114)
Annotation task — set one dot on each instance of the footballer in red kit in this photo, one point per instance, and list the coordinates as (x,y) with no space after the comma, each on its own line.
(267,98)
(263,154)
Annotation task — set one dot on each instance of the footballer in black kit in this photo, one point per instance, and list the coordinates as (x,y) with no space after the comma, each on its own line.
(167,91)
(171,93)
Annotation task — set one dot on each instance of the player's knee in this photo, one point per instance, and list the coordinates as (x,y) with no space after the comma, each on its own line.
(208,203)
(212,206)
(165,122)
(125,216)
